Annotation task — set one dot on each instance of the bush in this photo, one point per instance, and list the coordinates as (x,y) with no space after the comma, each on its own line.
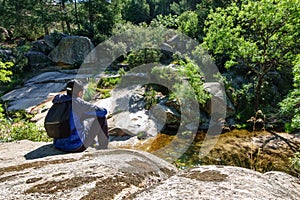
(16,126)
(108,82)
(295,161)
(186,80)
(143,56)
(5,71)
(21,130)
(90,91)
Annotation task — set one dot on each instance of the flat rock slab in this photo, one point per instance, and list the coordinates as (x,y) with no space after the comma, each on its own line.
(225,182)
(38,171)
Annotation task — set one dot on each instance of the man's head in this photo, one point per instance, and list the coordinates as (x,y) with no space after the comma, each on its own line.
(75,87)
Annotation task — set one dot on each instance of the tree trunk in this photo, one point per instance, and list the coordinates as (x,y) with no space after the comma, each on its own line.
(65,17)
(76,14)
(258,91)
(91,15)
(152,9)
(62,16)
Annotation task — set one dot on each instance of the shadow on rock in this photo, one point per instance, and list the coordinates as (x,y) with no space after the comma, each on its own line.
(43,151)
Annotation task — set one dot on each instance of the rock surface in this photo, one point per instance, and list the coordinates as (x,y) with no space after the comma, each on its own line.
(37,59)
(30,170)
(71,50)
(38,171)
(225,182)
(38,89)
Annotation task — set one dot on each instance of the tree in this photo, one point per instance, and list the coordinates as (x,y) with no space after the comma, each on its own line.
(262,36)
(184,5)
(28,19)
(136,11)
(203,9)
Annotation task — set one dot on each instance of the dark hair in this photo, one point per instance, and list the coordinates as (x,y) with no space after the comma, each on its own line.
(74,86)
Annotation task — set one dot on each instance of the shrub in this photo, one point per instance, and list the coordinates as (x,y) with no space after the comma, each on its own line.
(5,71)
(108,82)
(21,130)
(90,91)
(295,161)
(143,56)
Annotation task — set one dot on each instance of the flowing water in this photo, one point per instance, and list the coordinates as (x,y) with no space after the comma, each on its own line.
(260,150)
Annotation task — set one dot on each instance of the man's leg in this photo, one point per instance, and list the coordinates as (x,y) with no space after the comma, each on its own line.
(98,128)
(103,133)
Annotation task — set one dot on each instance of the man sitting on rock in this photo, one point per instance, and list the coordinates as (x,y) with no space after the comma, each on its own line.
(87,121)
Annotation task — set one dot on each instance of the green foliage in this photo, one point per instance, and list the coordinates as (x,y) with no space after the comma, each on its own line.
(16,66)
(121,71)
(21,130)
(186,80)
(140,39)
(32,19)
(242,99)
(290,106)
(168,21)
(104,93)
(136,11)
(188,23)
(150,97)
(1,112)
(183,5)
(90,91)
(143,56)
(19,127)
(295,161)
(194,89)
(108,82)
(5,71)
(26,19)
(261,36)
(20,60)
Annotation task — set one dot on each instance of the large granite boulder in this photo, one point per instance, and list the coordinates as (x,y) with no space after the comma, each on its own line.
(221,98)
(71,50)
(41,46)
(31,170)
(37,59)
(128,115)
(53,39)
